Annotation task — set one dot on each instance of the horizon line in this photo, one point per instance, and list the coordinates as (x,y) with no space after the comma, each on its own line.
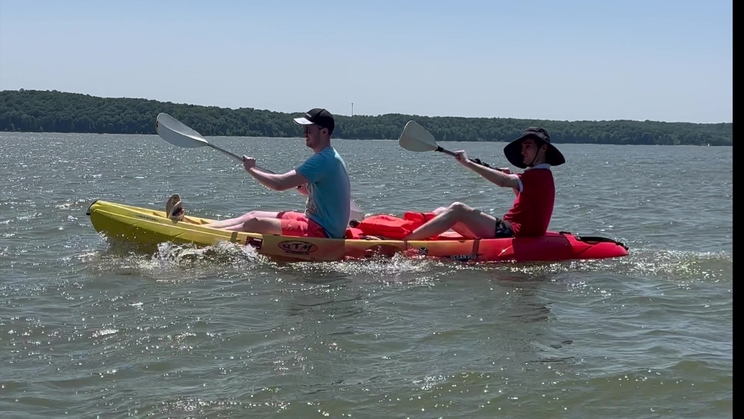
(363,115)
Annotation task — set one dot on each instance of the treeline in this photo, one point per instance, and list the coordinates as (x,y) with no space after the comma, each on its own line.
(53,111)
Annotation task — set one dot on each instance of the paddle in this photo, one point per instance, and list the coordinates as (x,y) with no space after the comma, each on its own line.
(179,134)
(416,138)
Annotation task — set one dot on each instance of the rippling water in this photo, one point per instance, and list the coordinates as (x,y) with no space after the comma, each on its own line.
(91,330)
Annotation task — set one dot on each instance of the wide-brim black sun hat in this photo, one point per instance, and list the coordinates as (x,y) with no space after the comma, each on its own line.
(513,150)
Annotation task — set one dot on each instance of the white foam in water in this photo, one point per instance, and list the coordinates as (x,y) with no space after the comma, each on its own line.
(180,262)
(219,252)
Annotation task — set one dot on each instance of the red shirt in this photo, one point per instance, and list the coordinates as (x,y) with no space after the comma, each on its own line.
(533,207)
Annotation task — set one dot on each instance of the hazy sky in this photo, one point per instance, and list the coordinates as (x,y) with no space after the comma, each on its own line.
(666,60)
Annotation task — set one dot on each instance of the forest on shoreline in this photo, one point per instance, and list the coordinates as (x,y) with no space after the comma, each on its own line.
(54,111)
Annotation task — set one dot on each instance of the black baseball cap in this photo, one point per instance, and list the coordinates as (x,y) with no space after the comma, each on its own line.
(318,116)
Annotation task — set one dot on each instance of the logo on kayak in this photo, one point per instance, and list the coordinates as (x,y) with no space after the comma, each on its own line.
(465,257)
(297,247)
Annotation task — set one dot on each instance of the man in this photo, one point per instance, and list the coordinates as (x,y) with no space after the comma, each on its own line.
(534,188)
(322,177)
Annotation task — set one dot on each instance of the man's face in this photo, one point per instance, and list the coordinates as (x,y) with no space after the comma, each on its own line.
(312,134)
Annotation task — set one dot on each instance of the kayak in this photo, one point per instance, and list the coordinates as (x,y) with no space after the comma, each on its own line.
(147,228)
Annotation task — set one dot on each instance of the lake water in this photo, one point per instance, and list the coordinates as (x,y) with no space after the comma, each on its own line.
(89,330)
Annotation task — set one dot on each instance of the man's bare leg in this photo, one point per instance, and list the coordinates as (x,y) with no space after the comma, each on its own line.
(259,225)
(239,221)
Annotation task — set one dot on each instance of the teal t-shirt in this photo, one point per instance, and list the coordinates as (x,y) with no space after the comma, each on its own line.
(329,191)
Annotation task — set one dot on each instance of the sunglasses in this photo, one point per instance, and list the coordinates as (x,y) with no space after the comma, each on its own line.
(306,129)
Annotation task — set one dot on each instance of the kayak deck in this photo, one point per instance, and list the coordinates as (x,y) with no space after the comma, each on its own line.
(146,228)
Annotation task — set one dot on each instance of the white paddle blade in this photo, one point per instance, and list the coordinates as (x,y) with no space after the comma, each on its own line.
(175,132)
(417,138)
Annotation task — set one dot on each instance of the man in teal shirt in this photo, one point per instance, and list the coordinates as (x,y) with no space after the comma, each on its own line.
(322,177)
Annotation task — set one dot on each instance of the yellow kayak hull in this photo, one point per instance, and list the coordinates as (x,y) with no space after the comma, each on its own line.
(146,228)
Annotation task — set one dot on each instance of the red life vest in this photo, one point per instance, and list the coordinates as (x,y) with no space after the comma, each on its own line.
(354,233)
(393,227)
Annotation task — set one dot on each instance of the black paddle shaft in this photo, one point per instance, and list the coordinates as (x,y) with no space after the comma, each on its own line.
(476,161)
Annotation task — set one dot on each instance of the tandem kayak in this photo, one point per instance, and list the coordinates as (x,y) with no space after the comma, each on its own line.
(145,227)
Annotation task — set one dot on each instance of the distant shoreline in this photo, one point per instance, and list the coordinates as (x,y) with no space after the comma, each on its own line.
(342,139)
(35,111)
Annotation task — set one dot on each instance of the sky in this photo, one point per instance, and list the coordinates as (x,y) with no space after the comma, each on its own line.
(660,60)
